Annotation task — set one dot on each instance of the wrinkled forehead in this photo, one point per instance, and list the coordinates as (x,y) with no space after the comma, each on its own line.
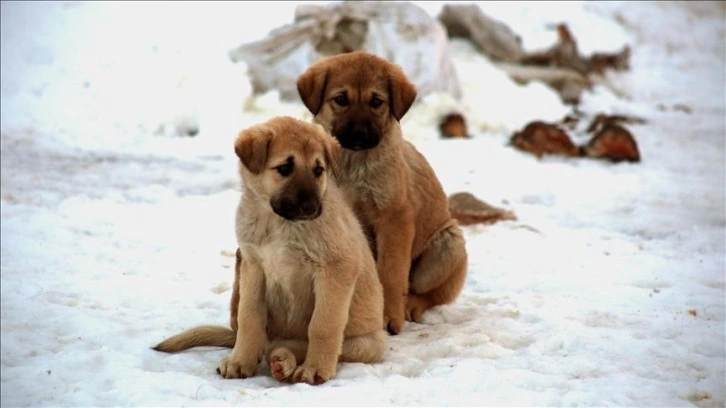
(359,78)
(304,146)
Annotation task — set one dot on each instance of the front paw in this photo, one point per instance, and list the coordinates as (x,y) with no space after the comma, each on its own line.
(310,375)
(232,367)
(393,325)
(394,313)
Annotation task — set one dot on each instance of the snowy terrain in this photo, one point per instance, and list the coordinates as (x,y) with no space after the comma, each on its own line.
(608,290)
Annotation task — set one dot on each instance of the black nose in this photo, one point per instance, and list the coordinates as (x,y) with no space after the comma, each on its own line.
(358,136)
(309,206)
(297,207)
(358,132)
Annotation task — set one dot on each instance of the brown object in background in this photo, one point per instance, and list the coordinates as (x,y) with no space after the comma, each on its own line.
(619,61)
(565,54)
(612,142)
(540,138)
(468,210)
(491,37)
(453,125)
(602,119)
(570,121)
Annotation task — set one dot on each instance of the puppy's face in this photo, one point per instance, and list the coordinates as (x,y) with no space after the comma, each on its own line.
(286,162)
(357,97)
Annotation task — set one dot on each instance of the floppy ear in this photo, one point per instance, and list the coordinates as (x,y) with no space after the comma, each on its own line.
(401,91)
(311,86)
(332,151)
(251,147)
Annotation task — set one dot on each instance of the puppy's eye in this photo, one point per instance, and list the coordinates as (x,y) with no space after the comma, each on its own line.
(285,169)
(375,102)
(341,100)
(318,170)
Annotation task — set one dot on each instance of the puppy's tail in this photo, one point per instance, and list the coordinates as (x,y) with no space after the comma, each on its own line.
(217,336)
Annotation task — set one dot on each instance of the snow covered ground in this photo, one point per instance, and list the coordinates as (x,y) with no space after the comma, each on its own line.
(116,233)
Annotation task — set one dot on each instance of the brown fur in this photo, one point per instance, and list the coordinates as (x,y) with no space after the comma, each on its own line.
(420,250)
(540,138)
(306,284)
(613,142)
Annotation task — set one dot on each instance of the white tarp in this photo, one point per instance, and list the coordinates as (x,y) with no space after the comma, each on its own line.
(401,32)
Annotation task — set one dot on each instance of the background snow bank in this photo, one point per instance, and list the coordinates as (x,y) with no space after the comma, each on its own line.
(608,290)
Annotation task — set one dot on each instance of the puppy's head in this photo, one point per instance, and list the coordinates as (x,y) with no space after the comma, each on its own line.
(288,162)
(356,96)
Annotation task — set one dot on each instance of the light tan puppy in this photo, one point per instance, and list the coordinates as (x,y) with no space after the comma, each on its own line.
(309,294)
(420,250)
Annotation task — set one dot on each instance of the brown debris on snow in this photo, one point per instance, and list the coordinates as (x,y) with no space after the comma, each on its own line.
(602,119)
(619,61)
(560,66)
(453,125)
(612,142)
(565,54)
(469,210)
(540,138)
(570,121)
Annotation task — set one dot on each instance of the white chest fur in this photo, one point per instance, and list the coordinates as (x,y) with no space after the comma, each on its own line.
(289,275)
(284,264)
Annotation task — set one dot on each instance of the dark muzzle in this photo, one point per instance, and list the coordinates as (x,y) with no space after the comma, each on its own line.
(358,137)
(300,206)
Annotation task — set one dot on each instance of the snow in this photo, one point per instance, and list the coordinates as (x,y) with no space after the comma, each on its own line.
(608,290)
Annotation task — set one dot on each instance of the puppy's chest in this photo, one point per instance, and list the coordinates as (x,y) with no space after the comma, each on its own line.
(365,187)
(289,273)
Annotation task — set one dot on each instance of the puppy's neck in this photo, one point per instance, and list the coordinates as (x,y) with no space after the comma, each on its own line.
(359,163)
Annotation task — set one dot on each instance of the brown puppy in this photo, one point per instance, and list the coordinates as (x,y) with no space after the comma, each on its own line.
(420,250)
(309,294)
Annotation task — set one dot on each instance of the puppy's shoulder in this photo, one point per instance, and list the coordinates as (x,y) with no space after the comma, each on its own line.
(337,211)
(340,226)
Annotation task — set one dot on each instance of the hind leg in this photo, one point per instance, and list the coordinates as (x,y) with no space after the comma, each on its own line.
(286,357)
(438,275)
(368,348)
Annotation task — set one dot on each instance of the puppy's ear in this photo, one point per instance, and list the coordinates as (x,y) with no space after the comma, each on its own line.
(332,152)
(401,91)
(251,147)
(311,86)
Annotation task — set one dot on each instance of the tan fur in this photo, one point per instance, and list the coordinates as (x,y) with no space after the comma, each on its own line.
(420,250)
(198,336)
(309,295)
